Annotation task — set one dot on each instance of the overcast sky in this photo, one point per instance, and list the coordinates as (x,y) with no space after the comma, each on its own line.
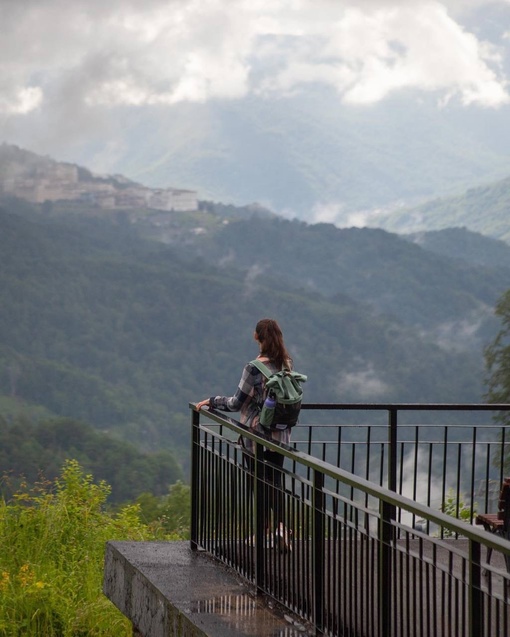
(69,59)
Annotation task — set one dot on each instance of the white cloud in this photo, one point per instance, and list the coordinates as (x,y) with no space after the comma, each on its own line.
(367,54)
(336,214)
(93,54)
(363,384)
(19,101)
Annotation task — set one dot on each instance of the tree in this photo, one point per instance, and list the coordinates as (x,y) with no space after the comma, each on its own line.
(497,360)
(170,514)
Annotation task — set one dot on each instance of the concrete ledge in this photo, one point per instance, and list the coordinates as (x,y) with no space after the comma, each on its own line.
(167,590)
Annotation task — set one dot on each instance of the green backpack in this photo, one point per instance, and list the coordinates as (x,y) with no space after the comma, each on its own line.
(283,397)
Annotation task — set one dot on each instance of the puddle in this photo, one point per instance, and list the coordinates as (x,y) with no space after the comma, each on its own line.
(236,609)
(243,605)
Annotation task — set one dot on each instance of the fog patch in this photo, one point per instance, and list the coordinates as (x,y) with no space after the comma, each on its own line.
(250,280)
(227,258)
(462,335)
(363,385)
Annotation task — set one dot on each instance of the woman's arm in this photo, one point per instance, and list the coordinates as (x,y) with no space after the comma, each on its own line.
(244,393)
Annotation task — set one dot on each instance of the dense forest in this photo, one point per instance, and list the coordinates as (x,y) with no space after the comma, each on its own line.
(103,326)
(39,450)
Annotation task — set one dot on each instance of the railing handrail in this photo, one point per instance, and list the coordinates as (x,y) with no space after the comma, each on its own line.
(390,497)
(409,406)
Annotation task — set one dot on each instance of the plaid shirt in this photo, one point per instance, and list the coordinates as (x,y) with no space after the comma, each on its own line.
(248,400)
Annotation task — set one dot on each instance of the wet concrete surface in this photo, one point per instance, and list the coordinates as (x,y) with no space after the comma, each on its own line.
(166,589)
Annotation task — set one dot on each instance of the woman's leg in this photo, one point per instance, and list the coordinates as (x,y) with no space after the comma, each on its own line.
(274,498)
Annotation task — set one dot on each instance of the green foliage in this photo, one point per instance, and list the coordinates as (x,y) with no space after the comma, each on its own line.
(457,508)
(170,514)
(497,359)
(51,576)
(464,245)
(34,449)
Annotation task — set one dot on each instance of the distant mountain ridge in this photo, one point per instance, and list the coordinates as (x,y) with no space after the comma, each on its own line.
(309,156)
(464,245)
(485,209)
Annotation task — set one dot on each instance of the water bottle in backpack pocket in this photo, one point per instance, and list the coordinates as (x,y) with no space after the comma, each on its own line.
(267,411)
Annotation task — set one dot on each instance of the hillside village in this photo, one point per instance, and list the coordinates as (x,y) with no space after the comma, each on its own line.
(38,179)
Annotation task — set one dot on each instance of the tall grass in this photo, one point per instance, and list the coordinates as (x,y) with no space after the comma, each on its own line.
(53,538)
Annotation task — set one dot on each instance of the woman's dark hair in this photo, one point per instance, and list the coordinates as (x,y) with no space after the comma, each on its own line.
(270,337)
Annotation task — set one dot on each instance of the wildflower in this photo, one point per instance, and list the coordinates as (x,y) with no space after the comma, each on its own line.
(4,581)
(24,575)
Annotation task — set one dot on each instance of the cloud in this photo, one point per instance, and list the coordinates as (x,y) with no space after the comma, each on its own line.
(367,54)
(250,280)
(363,384)
(336,214)
(20,100)
(88,54)
(462,335)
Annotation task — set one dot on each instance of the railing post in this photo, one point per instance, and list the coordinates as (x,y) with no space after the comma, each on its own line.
(392,462)
(475,619)
(259,495)
(385,576)
(392,455)
(318,549)
(195,468)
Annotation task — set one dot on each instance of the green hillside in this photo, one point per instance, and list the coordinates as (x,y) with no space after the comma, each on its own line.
(101,326)
(38,450)
(389,274)
(485,210)
(464,245)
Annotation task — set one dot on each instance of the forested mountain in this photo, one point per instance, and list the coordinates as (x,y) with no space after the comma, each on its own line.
(485,209)
(465,245)
(100,325)
(410,282)
(38,451)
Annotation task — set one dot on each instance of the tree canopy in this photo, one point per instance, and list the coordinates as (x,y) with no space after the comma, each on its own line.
(497,358)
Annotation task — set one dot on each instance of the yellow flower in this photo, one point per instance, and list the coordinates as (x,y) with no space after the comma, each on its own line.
(4,582)
(25,576)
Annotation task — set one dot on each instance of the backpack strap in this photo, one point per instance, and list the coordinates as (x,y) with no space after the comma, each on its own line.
(262,367)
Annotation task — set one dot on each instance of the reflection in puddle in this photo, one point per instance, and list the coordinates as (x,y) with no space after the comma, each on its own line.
(229,604)
(237,608)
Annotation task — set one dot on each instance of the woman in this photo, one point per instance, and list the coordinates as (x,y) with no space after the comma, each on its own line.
(248,400)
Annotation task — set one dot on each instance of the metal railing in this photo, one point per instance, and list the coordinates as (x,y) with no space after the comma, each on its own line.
(355,562)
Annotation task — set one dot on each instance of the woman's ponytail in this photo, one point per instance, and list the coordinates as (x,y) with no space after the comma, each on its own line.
(270,336)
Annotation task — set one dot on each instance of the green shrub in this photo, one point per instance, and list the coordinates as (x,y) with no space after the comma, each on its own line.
(51,567)
(457,508)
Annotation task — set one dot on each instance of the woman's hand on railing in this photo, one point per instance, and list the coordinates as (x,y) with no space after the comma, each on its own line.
(203,403)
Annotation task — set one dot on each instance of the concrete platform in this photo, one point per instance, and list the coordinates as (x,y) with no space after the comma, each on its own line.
(167,590)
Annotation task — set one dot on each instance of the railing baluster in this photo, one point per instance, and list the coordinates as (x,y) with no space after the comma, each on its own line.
(475,606)
(385,579)
(195,499)
(260,527)
(318,548)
